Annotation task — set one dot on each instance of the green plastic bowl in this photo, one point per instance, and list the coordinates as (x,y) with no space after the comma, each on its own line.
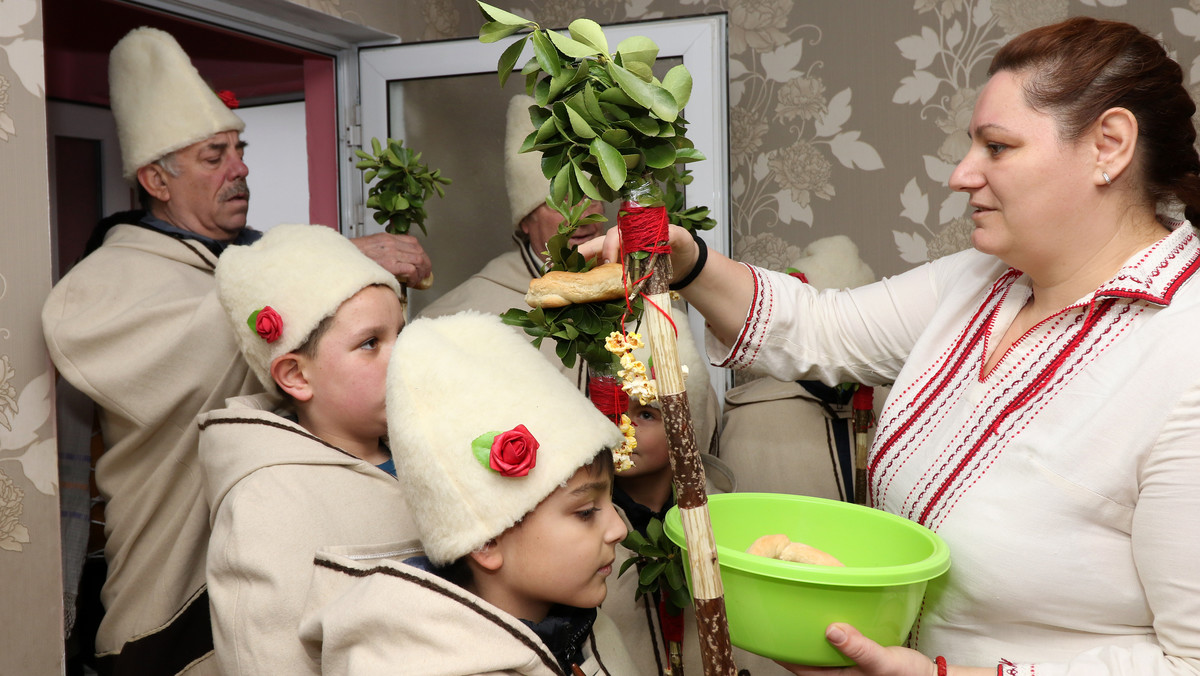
(780,609)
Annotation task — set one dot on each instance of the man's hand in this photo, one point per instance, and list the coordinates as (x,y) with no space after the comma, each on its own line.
(401,255)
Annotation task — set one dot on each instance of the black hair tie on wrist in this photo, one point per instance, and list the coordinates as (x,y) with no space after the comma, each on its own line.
(701,259)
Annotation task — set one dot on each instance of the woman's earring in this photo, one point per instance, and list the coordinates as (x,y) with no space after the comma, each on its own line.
(1107,180)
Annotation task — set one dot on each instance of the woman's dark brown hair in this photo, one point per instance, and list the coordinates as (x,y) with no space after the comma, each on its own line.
(1083,66)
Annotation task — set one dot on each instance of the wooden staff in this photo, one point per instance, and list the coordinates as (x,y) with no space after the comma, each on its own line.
(708,594)
(863,408)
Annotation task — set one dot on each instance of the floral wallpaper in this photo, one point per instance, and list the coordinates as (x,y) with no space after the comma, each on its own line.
(847,117)
(29,511)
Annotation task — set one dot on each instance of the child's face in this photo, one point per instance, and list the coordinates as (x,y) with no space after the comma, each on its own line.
(348,372)
(563,550)
(652,455)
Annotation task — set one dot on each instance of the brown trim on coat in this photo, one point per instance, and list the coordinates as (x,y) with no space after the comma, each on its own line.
(185,639)
(547,659)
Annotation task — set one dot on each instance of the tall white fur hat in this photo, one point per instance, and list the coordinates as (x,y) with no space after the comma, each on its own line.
(527,186)
(833,263)
(458,380)
(303,273)
(159,100)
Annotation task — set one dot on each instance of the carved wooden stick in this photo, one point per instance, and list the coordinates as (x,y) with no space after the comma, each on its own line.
(708,595)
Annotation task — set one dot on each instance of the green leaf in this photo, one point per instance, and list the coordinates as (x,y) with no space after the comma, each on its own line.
(612,167)
(589,33)
(674,575)
(641,70)
(508,60)
(659,154)
(561,184)
(551,163)
(626,565)
(650,571)
(638,49)
(678,81)
(679,597)
(688,155)
(618,97)
(494,31)
(592,104)
(664,106)
(503,16)
(579,125)
(547,55)
(585,184)
(633,540)
(616,137)
(570,47)
(646,126)
(633,86)
(654,530)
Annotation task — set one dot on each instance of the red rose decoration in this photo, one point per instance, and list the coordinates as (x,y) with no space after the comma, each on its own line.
(514,452)
(228,99)
(268,324)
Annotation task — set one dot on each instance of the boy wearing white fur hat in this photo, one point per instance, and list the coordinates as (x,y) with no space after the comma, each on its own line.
(136,326)
(508,470)
(316,321)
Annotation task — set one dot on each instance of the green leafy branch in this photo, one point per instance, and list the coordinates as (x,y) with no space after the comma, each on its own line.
(603,122)
(660,566)
(402,185)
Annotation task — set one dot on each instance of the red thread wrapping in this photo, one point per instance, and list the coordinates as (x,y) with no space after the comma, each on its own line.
(608,397)
(644,229)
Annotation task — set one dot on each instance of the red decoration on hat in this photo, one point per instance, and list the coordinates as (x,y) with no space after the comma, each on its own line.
(514,452)
(228,99)
(267,324)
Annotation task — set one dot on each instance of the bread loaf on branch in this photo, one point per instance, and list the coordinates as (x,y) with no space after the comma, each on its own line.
(560,289)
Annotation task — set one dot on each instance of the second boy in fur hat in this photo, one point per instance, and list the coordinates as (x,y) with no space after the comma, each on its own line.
(508,469)
(316,321)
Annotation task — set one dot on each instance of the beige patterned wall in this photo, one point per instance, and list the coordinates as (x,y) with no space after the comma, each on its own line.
(30,611)
(847,116)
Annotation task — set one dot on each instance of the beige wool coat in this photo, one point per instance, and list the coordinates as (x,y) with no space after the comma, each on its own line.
(278,494)
(136,326)
(371,614)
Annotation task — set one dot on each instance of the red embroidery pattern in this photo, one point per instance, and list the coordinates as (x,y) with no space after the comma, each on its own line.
(746,348)
(1071,340)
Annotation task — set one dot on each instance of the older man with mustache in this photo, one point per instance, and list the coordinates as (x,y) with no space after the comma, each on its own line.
(137,327)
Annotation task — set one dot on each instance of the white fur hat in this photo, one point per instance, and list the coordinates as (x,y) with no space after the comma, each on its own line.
(159,100)
(833,263)
(527,186)
(303,273)
(453,383)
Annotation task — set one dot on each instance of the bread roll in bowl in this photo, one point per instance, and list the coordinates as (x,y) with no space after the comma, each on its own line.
(779,546)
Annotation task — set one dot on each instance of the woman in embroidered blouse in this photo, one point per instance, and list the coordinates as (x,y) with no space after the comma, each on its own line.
(1045,417)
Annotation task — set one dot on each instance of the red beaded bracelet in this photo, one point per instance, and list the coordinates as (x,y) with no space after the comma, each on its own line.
(941,665)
